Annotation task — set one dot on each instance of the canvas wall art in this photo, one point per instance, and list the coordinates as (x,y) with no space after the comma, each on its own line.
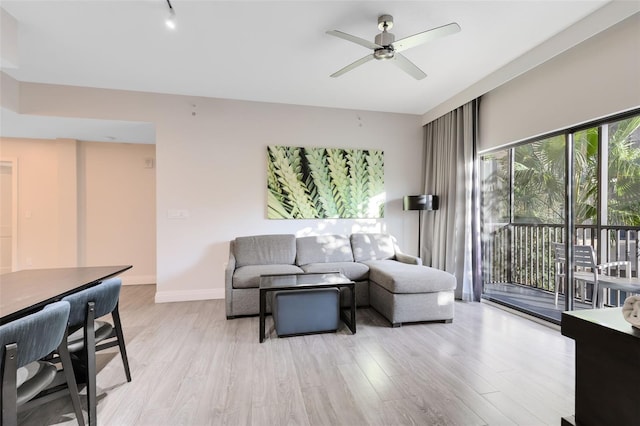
(323,183)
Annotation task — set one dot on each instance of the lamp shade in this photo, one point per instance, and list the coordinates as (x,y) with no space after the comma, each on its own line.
(420,202)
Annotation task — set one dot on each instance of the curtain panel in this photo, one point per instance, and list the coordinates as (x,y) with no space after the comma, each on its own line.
(451,236)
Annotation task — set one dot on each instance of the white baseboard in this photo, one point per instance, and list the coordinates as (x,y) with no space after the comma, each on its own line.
(138,279)
(189,295)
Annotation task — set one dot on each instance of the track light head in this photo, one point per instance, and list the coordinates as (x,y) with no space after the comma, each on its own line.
(170,22)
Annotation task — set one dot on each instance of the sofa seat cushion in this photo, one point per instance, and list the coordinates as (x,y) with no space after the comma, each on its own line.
(265,250)
(397,277)
(323,249)
(352,270)
(249,276)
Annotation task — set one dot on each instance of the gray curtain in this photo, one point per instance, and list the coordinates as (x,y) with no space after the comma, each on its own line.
(450,234)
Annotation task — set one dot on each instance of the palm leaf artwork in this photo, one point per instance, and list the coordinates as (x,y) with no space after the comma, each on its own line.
(322,183)
(375,168)
(319,176)
(358,178)
(287,163)
(340,181)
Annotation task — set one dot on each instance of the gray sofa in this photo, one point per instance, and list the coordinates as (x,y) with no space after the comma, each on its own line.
(395,284)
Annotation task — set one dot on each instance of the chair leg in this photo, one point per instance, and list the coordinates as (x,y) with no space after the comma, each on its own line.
(67,368)
(580,289)
(9,403)
(90,360)
(123,350)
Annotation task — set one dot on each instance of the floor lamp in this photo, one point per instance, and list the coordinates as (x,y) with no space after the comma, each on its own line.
(420,203)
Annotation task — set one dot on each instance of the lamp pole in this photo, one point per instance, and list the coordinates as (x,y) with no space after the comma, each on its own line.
(419,232)
(420,203)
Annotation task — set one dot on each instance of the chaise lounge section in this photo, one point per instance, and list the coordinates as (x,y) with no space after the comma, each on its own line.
(400,287)
(395,284)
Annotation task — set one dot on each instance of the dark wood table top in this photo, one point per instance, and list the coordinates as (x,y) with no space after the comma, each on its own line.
(25,291)
(583,323)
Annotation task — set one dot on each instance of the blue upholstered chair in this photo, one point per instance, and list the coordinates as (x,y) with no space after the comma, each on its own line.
(23,342)
(86,332)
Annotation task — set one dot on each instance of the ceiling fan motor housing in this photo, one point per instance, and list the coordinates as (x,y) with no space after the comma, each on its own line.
(384,39)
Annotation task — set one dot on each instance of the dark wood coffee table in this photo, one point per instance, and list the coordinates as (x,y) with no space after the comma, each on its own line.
(284,282)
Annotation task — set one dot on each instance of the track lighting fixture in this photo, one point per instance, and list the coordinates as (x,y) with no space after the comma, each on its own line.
(171,19)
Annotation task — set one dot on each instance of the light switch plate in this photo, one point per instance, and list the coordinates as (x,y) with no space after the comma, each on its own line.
(177,214)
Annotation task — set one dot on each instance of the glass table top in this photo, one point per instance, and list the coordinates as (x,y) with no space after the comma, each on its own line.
(303,280)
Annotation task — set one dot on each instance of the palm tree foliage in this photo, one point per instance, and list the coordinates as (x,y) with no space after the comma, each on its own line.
(538,186)
(622,171)
(539,168)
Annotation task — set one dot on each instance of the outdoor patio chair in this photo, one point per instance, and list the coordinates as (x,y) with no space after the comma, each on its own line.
(587,270)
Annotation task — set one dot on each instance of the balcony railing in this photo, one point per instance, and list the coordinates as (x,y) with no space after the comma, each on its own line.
(522,253)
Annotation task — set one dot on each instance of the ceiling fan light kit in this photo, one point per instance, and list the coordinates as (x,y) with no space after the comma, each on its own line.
(386,47)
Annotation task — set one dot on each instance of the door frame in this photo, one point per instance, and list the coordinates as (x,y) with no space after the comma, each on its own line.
(13,163)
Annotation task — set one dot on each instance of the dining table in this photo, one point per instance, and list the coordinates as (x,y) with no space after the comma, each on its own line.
(29,290)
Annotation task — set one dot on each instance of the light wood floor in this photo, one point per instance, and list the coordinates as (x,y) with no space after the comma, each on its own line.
(191,366)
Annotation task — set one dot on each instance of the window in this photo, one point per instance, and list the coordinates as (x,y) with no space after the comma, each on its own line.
(538,181)
(523,197)
(622,197)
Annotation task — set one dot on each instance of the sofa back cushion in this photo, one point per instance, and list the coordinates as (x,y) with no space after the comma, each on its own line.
(265,250)
(323,249)
(372,247)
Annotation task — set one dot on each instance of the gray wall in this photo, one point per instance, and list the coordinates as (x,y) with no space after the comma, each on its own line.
(599,77)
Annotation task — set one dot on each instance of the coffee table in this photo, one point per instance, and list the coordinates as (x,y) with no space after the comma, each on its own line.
(284,282)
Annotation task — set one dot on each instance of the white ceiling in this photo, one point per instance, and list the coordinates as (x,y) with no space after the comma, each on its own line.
(277,51)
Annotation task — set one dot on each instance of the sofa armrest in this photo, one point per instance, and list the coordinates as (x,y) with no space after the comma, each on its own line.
(407,258)
(228,278)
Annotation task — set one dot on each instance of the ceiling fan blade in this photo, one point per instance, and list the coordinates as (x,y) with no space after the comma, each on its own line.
(352,66)
(425,36)
(407,66)
(354,39)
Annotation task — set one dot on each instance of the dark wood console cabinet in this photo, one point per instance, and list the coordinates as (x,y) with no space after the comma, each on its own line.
(607,367)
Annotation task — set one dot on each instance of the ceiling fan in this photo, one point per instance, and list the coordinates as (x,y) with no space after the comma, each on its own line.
(386,46)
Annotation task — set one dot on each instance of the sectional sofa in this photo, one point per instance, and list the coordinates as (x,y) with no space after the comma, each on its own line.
(395,284)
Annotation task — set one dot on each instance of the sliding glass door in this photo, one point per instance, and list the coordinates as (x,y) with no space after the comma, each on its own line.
(523,201)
